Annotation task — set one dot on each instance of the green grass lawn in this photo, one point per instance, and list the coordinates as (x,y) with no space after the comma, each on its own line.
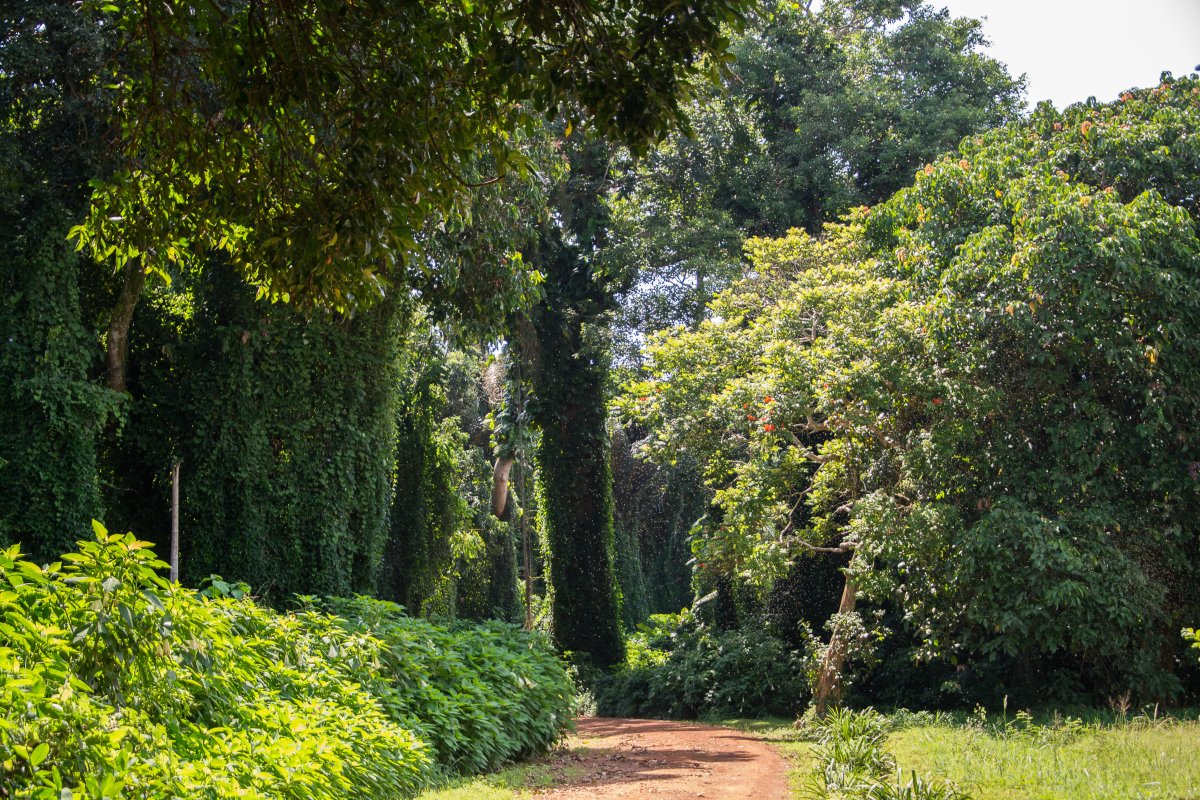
(1056,759)
(1097,757)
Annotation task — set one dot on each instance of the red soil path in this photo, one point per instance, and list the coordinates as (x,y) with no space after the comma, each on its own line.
(641,758)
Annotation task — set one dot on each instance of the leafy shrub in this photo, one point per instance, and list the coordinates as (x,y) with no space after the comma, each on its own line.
(1192,634)
(850,752)
(480,694)
(115,683)
(677,668)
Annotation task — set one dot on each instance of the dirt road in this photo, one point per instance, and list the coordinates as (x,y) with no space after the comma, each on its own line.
(639,758)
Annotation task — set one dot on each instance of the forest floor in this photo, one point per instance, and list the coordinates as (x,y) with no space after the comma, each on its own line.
(634,758)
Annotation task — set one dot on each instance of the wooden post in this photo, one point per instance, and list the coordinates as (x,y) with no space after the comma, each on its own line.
(525,552)
(175,522)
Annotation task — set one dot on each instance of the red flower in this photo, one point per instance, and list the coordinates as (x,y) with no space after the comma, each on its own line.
(768,399)
(937,401)
(644,399)
(768,427)
(751,417)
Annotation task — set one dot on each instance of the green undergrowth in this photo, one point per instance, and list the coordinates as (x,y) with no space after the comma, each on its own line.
(678,668)
(116,684)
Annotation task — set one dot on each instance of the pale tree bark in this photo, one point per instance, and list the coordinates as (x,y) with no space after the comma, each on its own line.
(829,680)
(500,475)
(117,344)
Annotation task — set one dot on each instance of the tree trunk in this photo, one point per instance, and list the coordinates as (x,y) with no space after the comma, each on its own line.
(500,475)
(118,326)
(829,681)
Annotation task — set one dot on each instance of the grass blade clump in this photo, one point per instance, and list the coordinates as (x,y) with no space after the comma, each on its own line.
(853,762)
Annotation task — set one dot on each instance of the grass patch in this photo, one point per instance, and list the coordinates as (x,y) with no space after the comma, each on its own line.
(517,782)
(513,783)
(1091,758)
(1094,756)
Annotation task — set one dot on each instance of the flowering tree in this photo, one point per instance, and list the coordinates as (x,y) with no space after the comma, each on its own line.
(984,388)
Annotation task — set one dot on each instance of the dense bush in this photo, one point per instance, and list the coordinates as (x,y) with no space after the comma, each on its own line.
(479,694)
(115,683)
(678,668)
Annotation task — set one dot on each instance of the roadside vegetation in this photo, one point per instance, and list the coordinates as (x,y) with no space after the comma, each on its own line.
(119,684)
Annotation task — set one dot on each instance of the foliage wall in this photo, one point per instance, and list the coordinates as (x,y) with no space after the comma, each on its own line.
(654,511)
(426,510)
(446,553)
(286,428)
(52,415)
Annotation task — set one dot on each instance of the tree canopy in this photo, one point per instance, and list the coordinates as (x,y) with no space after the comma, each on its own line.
(322,144)
(828,106)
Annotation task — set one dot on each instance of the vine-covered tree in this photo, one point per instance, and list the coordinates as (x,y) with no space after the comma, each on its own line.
(51,411)
(560,352)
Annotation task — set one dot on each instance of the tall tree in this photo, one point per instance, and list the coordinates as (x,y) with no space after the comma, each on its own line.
(563,350)
(829,106)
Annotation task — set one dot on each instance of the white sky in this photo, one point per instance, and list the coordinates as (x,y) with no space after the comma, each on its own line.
(1070,49)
